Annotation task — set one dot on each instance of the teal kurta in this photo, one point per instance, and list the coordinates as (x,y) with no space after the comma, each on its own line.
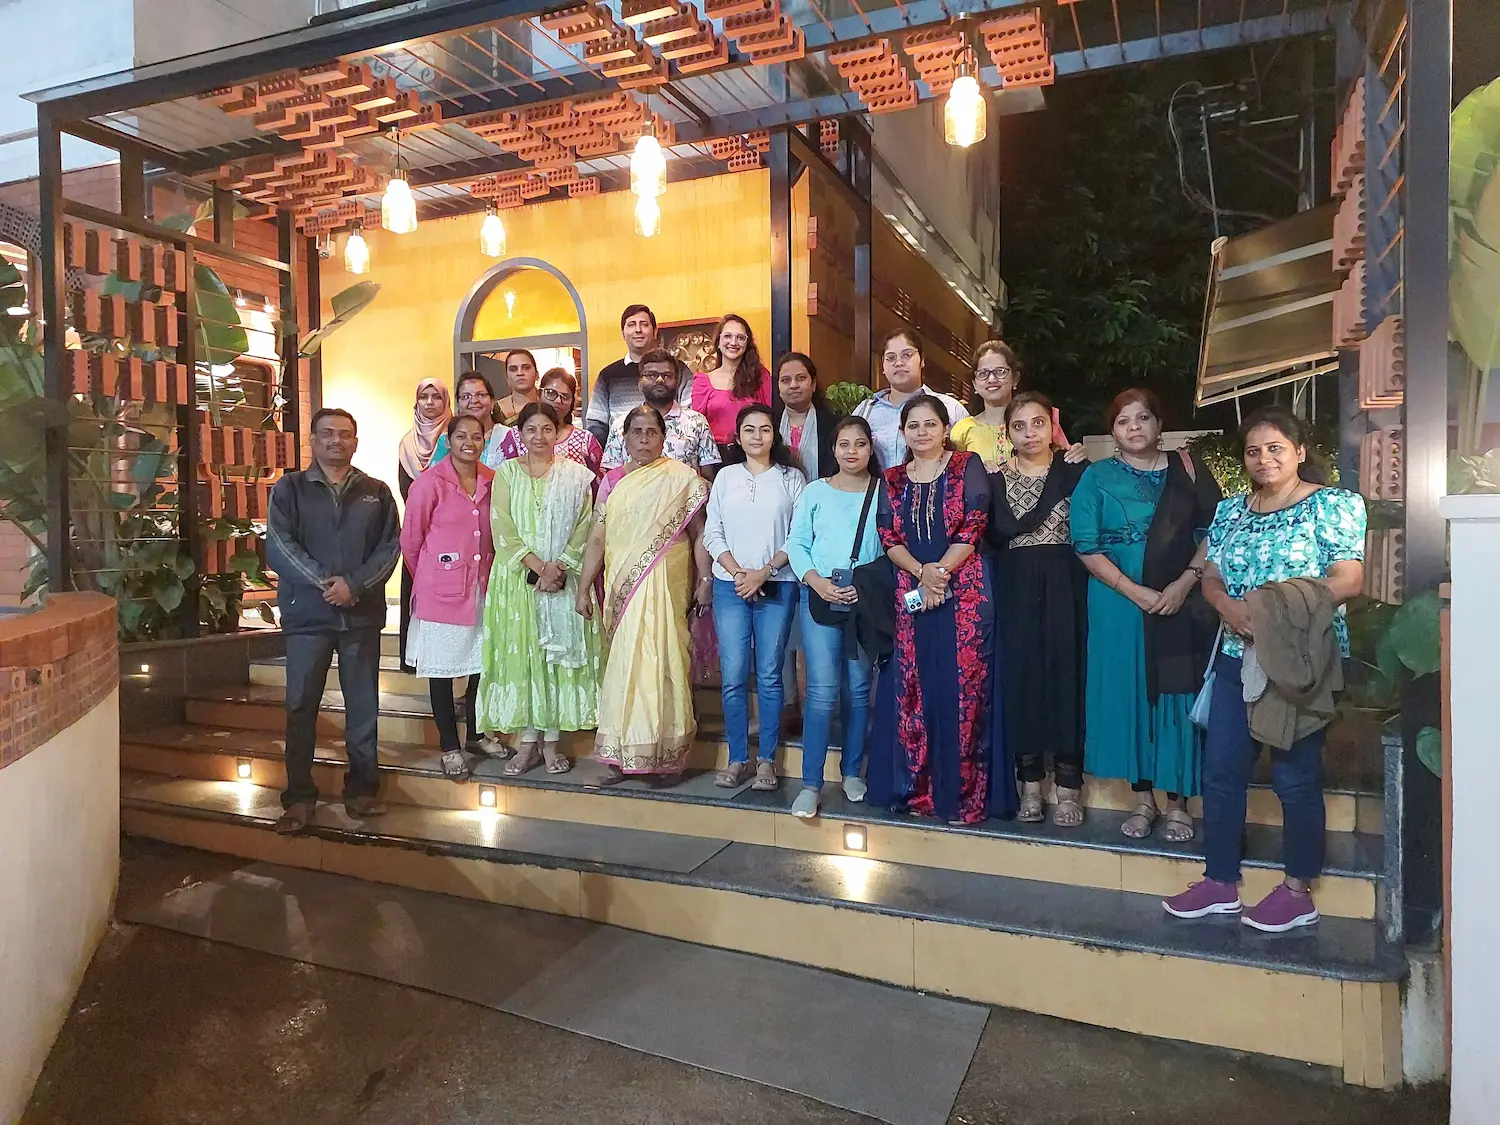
(1124,736)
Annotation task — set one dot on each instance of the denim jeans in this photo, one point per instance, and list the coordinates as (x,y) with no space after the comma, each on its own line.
(754,630)
(833,680)
(1229,755)
(308,656)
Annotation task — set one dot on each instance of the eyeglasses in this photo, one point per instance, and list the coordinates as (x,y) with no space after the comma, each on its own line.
(993,373)
(475,396)
(900,357)
(659,376)
(734,338)
(551,394)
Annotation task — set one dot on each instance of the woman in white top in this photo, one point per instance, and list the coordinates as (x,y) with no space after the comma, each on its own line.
(755,592)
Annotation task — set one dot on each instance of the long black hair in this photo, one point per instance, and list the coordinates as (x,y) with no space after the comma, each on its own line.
(781,453)
(854,422)
(1294,429)
(531,410)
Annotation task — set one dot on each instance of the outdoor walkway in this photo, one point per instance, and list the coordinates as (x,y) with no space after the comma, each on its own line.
(170,1029)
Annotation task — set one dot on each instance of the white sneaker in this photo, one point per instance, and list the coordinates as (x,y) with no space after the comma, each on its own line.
(855,789)
(805,807)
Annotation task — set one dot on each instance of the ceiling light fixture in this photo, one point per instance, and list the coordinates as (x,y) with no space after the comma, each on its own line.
(647,216)
(492,234)
(964,113)
(398,207)
(356,253)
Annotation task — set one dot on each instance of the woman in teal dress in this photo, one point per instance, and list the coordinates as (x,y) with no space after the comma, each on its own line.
(1130,517)
(540,671)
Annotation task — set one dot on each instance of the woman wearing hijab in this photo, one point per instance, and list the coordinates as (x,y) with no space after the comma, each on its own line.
(432,412)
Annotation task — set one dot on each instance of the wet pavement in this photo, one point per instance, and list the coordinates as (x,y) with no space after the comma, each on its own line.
(174,1030)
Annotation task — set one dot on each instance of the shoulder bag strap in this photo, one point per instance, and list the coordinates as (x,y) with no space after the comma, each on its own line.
(1187,464)
(864,517)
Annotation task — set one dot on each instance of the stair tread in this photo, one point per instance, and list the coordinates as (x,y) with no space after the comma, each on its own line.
(1350,854)
(1341,948)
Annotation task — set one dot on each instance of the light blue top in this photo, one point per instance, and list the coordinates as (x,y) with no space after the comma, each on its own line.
(834,515)
(1253,549)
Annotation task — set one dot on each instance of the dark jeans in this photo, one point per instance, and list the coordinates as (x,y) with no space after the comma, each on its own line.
(1067,767)
(307,658)
(440,689)
(1229,756)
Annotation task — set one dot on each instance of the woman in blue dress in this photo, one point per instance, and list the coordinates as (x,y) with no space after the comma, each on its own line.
(944,742)
(1142,678)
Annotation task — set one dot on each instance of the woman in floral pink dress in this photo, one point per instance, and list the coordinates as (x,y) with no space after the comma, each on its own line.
(559,390)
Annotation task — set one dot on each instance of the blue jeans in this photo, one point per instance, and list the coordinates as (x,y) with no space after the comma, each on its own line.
(833,680)
(1229,755)
(761,627)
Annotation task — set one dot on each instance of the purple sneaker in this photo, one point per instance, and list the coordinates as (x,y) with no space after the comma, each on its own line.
(1203,898)
(1282,910)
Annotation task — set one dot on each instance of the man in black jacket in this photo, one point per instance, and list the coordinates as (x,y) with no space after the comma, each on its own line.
(333,538)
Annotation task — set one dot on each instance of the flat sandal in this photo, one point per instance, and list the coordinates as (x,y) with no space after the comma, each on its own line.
(1146,811)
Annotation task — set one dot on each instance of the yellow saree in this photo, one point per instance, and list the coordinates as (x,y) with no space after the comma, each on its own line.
(646,720)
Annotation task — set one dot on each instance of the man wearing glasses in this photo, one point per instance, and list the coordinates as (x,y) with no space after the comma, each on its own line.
(689,438)
(477,397)
(616,391)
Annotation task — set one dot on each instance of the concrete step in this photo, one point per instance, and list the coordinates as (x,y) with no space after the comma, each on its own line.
(1094,855)
(1329,996)
(407,718)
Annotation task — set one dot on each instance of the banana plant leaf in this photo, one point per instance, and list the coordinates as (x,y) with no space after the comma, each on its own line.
(1474,202)
(347,304)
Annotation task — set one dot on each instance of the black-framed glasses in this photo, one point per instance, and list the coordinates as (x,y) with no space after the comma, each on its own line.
(551,394)
(994,372)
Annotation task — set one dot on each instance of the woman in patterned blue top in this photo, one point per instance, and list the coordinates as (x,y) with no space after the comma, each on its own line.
(1290,526)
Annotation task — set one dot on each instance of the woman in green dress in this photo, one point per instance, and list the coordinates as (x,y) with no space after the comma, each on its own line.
(1139,522)
(541,659)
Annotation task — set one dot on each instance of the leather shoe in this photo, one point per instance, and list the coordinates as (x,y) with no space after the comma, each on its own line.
(296,818)
(361,807)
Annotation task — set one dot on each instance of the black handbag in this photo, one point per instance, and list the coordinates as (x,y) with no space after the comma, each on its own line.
(822,612)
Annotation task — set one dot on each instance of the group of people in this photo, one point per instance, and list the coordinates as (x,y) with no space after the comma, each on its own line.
(971,600)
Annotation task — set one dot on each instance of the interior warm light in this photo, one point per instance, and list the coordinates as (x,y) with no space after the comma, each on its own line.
(648,167)
(145,667)
(647,216)
(398,207)
(239,299)
(487,797)
(356,253)
(242,769)
(270,309)
(492,235)
(855,838)
(510,302)
(964,113)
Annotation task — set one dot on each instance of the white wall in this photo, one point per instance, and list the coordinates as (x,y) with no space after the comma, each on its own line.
(48,43)
(60,840)
(1474,773)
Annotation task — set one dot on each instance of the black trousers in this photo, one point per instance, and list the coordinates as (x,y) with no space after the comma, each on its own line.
(440,689)
(308,656)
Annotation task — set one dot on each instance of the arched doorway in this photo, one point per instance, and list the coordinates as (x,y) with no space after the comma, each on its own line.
(522,303)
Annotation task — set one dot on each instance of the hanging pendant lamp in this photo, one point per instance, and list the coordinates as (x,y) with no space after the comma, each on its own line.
(356,253)
(648,164)
(647,216)
(965,113)
(398,207)
(492,234)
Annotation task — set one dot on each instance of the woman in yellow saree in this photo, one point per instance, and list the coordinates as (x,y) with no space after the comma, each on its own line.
(647,538)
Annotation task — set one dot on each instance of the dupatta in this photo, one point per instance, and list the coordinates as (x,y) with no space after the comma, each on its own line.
(646,513)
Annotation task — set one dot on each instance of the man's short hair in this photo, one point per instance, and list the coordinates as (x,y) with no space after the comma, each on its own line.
(631,310)
(658,355)
(331,412)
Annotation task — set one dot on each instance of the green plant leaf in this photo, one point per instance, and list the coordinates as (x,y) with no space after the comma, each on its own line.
(1416,636)
(184,567)
(221,340)
(168,591)
(1430,749)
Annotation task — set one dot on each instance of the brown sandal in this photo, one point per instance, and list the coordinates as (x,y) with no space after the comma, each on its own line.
(765,776)
(1069,810)
(1033,808)
(557,761)
(732,776)
(1138,825)
(527,758)
(1180,828)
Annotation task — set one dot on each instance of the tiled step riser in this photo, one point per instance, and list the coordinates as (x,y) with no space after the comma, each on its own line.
(1338,896)
(1351,1025)
(1346,812)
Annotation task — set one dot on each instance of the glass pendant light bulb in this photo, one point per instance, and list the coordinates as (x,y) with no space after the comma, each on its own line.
(492,235)
(647,216)
(356,253)
(648,167)
(964,114)
(398,207)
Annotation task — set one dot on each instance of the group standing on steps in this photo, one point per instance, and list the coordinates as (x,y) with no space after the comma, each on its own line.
(974,604)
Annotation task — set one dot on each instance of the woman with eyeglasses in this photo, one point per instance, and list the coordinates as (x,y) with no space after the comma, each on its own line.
(740,380)
(997,375)
(560,391)
(476,397)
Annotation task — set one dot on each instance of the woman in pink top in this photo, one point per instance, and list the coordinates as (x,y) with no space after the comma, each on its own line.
(560,391)
(739,380)
(446,541)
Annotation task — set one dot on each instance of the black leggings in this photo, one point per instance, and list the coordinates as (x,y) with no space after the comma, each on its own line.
(1148,787)
(440,688)
(1067,767)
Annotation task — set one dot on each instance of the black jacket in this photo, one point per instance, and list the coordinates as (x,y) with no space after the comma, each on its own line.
(827,420)
(314,533)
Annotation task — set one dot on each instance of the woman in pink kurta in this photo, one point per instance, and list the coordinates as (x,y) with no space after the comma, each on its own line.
(739,380)
(559,390)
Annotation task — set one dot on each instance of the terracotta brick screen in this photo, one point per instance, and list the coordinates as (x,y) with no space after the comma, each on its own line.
(56,665)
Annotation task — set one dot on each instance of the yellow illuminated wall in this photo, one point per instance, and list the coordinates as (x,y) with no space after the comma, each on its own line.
(712,256)
(527,303)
